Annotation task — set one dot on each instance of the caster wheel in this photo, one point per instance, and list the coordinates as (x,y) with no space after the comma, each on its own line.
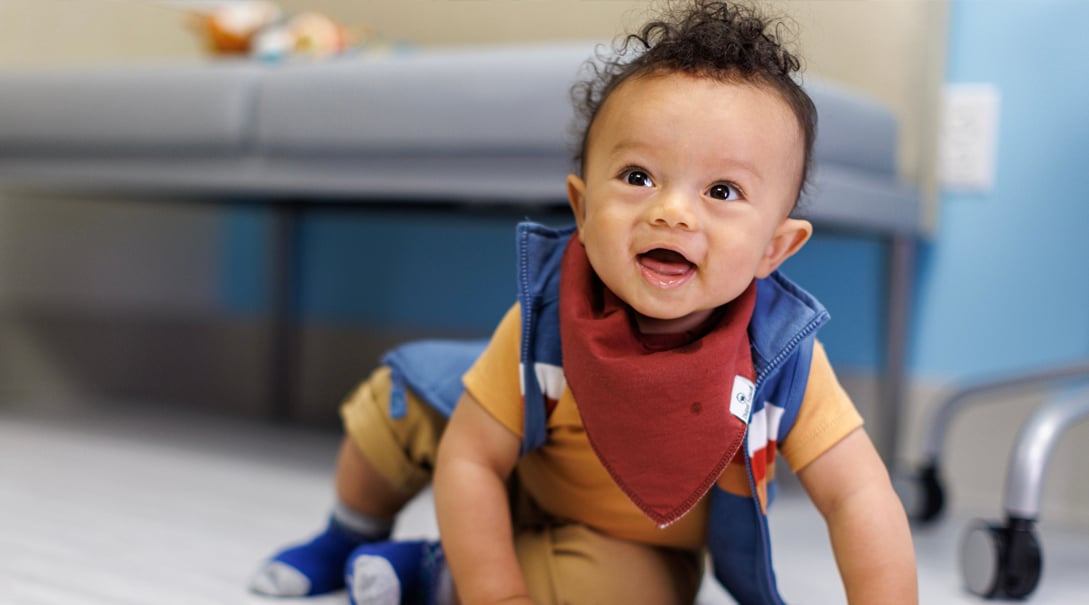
(1001,562)
(922,494)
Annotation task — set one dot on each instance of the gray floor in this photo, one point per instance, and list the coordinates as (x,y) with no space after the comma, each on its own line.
(137,505)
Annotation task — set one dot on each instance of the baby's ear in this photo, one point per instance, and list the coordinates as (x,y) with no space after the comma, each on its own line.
(576,196)
(789,237)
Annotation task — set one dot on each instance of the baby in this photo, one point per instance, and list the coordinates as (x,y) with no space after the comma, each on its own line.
(626,416)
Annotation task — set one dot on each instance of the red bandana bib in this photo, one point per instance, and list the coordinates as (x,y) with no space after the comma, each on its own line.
(664,416)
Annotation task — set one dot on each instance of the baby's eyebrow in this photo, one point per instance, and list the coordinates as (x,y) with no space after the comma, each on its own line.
(729,162)
(733,164)
(626,145)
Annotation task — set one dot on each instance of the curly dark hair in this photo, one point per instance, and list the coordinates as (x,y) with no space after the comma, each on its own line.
(726,41)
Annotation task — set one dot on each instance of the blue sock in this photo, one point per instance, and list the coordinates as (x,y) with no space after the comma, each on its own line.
(396,573)
(313,568)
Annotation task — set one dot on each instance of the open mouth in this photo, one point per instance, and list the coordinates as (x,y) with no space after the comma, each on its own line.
(665,268)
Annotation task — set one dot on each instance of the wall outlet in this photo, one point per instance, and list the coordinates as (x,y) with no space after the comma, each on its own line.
(968,138)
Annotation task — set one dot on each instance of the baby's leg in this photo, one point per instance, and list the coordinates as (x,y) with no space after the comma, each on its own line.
(382,464)
(574,564)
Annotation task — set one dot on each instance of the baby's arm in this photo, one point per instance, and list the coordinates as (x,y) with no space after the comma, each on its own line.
(866,522)
(476,455)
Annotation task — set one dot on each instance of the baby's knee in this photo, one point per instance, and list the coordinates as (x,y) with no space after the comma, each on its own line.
(402,450)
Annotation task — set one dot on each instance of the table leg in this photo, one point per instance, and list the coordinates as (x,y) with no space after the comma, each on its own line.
(897,316)
(284,366)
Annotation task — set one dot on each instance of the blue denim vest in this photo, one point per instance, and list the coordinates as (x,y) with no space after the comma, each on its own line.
(781,333)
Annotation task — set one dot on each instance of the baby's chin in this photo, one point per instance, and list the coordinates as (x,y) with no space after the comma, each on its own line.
(663,323)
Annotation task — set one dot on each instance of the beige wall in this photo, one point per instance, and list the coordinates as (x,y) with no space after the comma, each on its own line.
(41,33)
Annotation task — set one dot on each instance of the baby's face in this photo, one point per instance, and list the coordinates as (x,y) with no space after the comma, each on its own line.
(687,188)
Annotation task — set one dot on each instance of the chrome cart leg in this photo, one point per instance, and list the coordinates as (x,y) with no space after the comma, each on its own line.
(1005,560)
(923,493)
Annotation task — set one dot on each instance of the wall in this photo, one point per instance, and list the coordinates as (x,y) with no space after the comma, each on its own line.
(1009,257)
(43,33)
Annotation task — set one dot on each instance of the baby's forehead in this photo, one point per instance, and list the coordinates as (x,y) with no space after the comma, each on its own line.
(633,90)
(646,98)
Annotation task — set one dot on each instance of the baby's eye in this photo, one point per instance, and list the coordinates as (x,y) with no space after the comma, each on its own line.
(724,191)
(637,178)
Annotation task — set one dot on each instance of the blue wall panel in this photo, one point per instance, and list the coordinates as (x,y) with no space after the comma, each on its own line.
(1005,286)
(416,270)
(847,275)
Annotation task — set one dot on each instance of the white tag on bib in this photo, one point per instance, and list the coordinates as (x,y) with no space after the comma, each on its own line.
(741,398)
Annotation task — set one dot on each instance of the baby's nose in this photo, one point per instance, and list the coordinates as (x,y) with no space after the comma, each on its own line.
(673,209)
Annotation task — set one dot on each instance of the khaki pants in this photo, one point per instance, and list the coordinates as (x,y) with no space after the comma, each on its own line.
(563,562)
